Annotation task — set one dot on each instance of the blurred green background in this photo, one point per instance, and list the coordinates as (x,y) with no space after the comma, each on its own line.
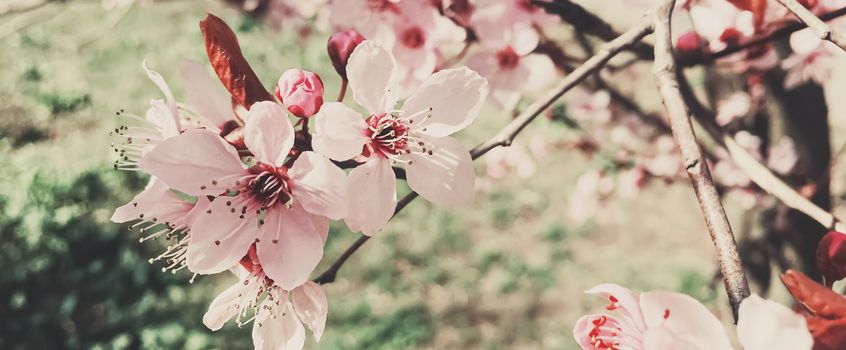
(505,273)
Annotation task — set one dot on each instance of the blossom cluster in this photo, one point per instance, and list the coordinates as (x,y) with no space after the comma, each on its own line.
(236,186)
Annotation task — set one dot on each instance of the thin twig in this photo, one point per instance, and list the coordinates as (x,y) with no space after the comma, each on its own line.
(819,27)
(734,277)
(507,134)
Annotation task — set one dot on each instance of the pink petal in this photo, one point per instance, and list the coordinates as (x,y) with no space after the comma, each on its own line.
(767,325)
(159,115)
(452,97)
(607,328)
(311,306)
(155,201)
(269,133)
(541,70)
(524,39)
(319,185)
(373,75)
(222,308)
(289,247)
(205,95)
(685,317)
(338,132)
(446,177)
(220,237)
(625,301)
(372,196)
(191,161)
(160,82)
(276,328)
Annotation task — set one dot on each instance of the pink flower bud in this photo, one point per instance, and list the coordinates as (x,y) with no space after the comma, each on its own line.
(831,257)
(689,42)
(340,47)
(301,92)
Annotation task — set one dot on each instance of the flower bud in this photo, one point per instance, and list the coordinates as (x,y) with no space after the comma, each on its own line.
(831,257)
(689,42)
(301,92)
(340,47)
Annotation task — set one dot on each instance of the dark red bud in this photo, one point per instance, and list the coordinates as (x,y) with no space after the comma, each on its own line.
(831,257)
(340,47)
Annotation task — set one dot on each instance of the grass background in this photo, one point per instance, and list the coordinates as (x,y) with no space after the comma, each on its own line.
(505,273)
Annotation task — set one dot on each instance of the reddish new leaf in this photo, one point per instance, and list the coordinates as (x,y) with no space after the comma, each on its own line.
(828,334)
(831,257)
(229,63)
(757,7)
(815,297)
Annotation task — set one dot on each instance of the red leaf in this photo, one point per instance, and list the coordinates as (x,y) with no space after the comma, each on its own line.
(815,297)
(828,334)
(757,7)
(229,63)
(831,257)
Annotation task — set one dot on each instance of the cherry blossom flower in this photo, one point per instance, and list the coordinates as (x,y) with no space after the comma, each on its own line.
(280,203)
(585,201)
(812,58)
(512,68)
(278,315)
(658,320)
(372,18)
(721,23)
(666,162)
(590,106)
(416,136)
(502,160)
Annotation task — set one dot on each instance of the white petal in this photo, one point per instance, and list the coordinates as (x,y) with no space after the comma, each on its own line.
(311,306)
(541,72)
(372,196)
(338,132)
(289,247)
(686,317)
(319,185)
(277,328)
(269,133)
(222,308)
(446,177)
(767,325)
(191,161)
(372,73)
(452,97)
(160,82)
(206,95)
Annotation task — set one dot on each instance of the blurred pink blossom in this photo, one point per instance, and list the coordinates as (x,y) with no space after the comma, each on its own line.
(736,105)
(782,156)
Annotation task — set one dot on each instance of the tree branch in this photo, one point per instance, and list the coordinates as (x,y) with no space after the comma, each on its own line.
(819,27)
(510,131)
(757,172)
(734,277)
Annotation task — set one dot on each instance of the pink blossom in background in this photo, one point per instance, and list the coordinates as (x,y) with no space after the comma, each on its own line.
(584,105)
(721,23)
(278,314)
(496,21)
(658,320)
(666,162)
(631,181)
(415,136)
(584,201)
(736,105)
(499,162)
(812,57)
(280,207)
(512,68)
(374,19)
(301,92)
(782,156)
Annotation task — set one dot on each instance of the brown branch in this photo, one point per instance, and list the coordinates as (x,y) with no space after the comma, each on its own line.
(734,277)
(819,27)
(507,134)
